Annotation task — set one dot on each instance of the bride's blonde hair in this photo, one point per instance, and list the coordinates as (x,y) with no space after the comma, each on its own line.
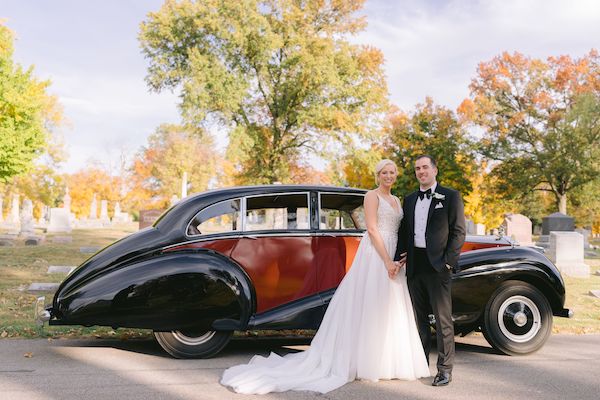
(381,165)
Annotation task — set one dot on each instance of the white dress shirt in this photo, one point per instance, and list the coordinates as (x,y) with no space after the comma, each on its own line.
(421,214)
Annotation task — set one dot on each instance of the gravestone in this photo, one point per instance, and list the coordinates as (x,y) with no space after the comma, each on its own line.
(566,252)
(59,221)
(518,227)
(94,209)
(60,269)
(586,236)
(148,217)
(26,218)
(470,226)
(67,201)
(1,209)
(120,217)
(14,210)
(104,219)
(43,287)
(479,229)
(557,222)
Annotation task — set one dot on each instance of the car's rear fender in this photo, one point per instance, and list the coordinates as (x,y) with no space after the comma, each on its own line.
(196,289)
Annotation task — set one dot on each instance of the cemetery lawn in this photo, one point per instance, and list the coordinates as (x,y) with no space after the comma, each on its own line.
(22,265)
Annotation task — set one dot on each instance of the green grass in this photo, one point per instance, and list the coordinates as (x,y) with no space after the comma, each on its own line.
(21,265)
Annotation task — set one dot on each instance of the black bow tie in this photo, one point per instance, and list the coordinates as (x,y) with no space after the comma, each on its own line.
(427,193)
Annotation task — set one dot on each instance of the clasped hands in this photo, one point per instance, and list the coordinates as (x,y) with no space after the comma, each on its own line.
(393,267)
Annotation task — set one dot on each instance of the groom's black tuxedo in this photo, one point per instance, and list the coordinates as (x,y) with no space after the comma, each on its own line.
(445,232)
(429,278)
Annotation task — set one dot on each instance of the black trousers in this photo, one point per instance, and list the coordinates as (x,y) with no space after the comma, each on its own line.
(431,292)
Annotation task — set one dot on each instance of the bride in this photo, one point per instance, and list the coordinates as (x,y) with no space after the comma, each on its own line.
(368,331)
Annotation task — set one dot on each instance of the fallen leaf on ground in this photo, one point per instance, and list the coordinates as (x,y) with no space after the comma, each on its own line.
(28,355)
(4,334)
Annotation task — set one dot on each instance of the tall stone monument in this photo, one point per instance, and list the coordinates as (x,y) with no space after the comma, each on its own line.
(94,208)
(104,218)
(67,201)
(184,184)
(26,218)
(557,222)
(14,210)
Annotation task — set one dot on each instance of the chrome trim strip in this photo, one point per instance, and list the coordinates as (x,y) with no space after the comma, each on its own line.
(243,211)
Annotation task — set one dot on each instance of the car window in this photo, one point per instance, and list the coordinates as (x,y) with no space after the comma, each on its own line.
(282,211)
(217,218)
(341,212)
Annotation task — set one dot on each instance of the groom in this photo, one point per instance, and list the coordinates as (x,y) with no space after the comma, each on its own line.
(431,235)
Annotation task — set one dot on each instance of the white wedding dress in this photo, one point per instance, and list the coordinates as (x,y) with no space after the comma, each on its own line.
(368,331)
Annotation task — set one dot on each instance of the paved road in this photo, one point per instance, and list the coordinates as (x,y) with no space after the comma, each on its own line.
(567,367)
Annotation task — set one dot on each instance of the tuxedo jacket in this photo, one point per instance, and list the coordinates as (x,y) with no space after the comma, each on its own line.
(445,232)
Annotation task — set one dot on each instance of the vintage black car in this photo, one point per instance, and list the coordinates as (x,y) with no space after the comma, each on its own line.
(271,257)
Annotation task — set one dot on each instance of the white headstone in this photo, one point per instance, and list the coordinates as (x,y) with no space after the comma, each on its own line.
(566,252)
(94,208)
(104,212)
(27,223)
(59,221)
(470,226)
(67,201)
(586,237)
(479,229)
(184,183)
(518,227)
(14,210)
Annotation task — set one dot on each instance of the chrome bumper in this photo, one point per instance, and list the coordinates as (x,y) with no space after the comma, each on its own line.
(565,313)
(41,314)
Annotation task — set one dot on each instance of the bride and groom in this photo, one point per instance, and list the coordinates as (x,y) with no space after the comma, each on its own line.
(377,323)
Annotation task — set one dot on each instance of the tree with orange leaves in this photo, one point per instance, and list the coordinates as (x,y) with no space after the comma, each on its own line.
(540,120)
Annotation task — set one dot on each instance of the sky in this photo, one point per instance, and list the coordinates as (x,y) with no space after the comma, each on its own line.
(90,52)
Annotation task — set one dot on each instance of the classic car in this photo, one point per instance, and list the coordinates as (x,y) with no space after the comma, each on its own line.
(270,258)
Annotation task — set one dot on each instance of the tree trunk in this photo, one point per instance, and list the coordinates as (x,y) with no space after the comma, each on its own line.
(562,203)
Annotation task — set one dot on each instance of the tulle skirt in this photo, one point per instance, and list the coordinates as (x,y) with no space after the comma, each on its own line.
(368,332)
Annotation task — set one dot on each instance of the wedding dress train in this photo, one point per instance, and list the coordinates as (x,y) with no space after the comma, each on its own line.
(368,331)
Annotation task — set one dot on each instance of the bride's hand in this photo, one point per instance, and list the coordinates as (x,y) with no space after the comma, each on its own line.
(392,269)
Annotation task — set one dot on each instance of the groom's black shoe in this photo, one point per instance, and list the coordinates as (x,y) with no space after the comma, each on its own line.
(442,379)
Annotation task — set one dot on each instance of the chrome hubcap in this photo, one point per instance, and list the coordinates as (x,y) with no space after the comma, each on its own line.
(519,319)
(193,339)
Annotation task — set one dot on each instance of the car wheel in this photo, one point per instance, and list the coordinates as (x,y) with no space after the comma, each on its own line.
(189,344)
(517,319)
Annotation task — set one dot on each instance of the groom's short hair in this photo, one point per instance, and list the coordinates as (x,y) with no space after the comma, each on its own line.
(433,163)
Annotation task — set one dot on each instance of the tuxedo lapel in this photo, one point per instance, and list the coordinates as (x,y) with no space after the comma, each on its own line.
(439,189)
(412,201)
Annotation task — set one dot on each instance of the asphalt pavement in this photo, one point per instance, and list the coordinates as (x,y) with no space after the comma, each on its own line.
(567,367)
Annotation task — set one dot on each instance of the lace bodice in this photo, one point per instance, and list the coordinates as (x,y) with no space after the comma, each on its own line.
(388,219)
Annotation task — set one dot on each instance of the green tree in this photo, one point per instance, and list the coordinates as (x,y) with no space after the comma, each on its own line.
(434,130)
(540,121)
(279,74)
(27,112)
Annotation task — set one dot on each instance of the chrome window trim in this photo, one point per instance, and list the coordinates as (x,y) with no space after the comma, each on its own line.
(319,212)
(259,234)
(244,216)
(243,208)
(187,227)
